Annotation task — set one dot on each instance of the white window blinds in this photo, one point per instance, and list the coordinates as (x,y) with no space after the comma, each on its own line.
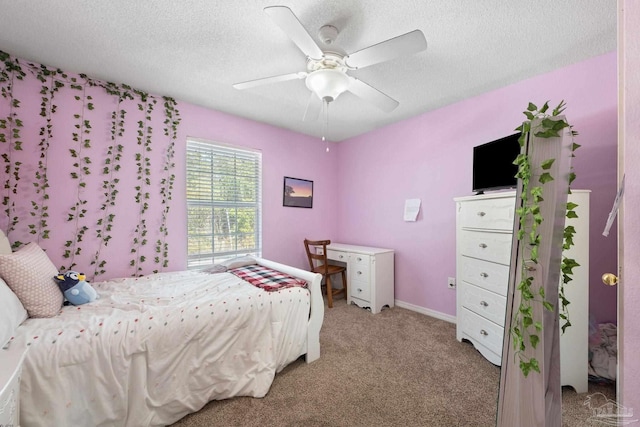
(223,203)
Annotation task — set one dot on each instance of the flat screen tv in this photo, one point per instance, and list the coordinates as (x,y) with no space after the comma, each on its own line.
(493,167)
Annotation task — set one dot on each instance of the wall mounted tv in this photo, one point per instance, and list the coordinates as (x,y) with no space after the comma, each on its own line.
(493,167)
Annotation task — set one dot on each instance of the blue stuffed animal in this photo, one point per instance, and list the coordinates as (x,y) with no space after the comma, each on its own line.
(75,289)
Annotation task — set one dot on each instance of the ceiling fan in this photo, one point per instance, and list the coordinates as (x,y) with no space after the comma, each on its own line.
(327,71)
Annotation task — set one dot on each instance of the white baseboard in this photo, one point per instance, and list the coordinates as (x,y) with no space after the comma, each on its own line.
(438,315)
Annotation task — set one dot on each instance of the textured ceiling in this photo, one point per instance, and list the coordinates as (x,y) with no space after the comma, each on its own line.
(194,50)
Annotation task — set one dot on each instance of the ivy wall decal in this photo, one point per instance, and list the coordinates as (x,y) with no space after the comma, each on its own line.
(40,204)
(110,171)
(144,139)
(78,212)
(171,122)
(10,135)
(96,158)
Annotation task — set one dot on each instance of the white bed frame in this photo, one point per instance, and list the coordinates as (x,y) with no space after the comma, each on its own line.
(316,316)
(139,360)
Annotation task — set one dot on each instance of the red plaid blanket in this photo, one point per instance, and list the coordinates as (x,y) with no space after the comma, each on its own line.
(266,278)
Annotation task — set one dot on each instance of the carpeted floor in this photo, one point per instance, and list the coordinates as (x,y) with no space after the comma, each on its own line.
(395,368)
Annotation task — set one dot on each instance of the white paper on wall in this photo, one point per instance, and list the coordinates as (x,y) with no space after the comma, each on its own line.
(614,210)
(411,209)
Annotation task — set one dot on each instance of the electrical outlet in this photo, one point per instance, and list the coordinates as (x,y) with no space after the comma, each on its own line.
(451,282)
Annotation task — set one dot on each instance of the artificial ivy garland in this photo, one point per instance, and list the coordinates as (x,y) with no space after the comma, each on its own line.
(525,331)
(52,81)
(110,169)
(10,134)
(81,163)
(171,123)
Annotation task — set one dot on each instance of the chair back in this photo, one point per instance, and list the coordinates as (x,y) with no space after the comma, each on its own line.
(312,255)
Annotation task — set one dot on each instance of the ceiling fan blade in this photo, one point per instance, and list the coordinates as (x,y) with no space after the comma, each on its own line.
(268,80)
(406,44)
(372,95)
(289,23)
(314,106)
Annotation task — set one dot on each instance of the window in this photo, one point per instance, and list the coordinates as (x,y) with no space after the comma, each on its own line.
(223,203)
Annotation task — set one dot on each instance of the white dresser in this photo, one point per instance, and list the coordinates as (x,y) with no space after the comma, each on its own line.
(484,227)
(370,271)
(10,371)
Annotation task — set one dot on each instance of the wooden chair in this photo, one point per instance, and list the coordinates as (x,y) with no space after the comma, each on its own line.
(325,268)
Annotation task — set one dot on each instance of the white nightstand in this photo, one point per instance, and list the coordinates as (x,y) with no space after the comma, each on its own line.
(10,370)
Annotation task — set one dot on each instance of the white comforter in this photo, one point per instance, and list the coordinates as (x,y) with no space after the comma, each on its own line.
(153,349)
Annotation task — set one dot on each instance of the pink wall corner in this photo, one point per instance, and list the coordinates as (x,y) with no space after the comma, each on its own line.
(629,335)
(430,157)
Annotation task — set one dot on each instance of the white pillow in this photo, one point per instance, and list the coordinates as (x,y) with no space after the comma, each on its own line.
(29,273)
(239,262)
(12,313)
(5,246)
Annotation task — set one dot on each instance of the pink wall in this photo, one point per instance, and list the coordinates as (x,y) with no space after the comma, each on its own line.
(430,157)
(360,185)
(284,153)
(629,335)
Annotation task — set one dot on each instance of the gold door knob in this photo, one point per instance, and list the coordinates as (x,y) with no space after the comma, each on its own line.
(609,279)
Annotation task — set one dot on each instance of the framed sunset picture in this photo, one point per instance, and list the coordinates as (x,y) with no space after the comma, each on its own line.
(297,193)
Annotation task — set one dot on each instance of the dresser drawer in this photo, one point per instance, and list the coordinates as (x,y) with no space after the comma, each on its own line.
(483,331)
(360,267)
(485,274)
(360,289)
(490,214)
(337,255)
(494,247)
(487,304)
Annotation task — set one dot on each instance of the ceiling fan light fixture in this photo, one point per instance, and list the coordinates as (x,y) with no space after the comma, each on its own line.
(328,84)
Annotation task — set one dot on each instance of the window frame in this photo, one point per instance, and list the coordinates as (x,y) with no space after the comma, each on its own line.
(206,259)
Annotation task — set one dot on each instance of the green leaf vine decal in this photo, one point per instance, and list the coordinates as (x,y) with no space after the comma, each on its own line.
(27,188)
(112,165)
(10,127)
(144,139)
(50,85)
(171,122)
(525,330)
(80,171)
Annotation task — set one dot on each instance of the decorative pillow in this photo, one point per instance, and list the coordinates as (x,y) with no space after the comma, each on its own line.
(5,246)
(29,273)
(266,278)
(12,313)
(218,268)
(238,262)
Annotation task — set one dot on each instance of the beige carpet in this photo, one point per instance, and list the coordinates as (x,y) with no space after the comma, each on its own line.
(395,368)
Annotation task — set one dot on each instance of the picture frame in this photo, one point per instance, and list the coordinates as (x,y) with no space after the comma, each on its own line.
(297,193)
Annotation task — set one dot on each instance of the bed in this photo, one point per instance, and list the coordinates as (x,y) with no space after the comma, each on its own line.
(155,348)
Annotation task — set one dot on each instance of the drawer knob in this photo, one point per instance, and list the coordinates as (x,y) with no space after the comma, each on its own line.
(359,273)
(485,275)
(359,289)
(359,259)
(484,304)
(483,245)
(483,332)
(481,213)
(340,256)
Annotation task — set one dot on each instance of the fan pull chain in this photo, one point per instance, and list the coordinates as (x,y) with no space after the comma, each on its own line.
(325,124)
